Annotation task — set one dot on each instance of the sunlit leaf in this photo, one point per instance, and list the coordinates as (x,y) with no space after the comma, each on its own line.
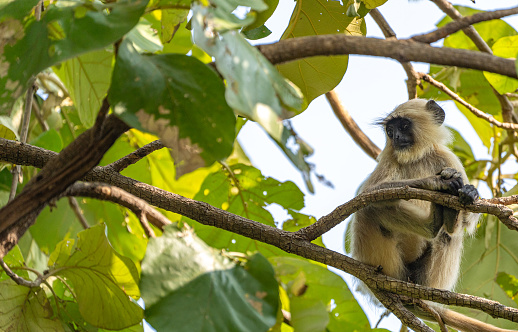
(7,129)
(23,309)
(244,191)
(505,47)
(490,31)
(509,285)
(87,79)
(103,280)
(13,259)
(480,266)
(318,75)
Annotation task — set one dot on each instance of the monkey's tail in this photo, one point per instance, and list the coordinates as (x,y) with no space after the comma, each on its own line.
(465,323)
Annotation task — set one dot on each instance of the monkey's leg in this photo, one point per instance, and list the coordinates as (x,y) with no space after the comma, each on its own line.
(374,245)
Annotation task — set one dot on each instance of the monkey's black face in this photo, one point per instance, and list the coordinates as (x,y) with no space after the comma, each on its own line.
(399,131)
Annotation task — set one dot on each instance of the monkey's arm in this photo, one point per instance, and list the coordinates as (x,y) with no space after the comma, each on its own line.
(407,216)
(448,180)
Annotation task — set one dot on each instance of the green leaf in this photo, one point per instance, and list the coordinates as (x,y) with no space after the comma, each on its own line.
(7,129)
(318,75)
(49,140)
(480,266)
(87,78)
(183,279)
(312,285)
(255,89)
(13,259)
(244,191)
(370,4)
(178,98)
(257,33)
(262,16)
(23,309)
(63,222)
(103,280)
(308,315)
(63,32)
(505,47)
(509,285)
(490,31)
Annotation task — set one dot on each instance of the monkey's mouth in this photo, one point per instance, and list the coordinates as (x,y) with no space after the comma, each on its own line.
(403,145)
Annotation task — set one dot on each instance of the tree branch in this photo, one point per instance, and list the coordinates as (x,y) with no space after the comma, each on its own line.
(460,22)
(401,50)
(287,241)
(116,195)
(136,155)
(62,170)
(471,32)
(471,108)
(359,137)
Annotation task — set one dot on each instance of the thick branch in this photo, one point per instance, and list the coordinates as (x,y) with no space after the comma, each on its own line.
(471,108)
(287,241)
(401,50)
(351,127)
(461,22)
(62,170)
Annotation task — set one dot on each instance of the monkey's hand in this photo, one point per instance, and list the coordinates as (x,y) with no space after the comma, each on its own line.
(451,181)
(468,194)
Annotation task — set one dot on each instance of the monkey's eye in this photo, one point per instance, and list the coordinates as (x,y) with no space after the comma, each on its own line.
(390,133)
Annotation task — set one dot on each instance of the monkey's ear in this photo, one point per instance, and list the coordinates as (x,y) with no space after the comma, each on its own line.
(437,111)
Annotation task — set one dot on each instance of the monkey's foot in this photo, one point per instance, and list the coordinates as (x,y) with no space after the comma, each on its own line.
(468,194)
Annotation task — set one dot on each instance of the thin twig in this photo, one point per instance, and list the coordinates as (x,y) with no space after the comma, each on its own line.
(19,280)
(37,112)
(145,224)
(24,131)
(136,155)
(363,141)
(478,113)
(77,211)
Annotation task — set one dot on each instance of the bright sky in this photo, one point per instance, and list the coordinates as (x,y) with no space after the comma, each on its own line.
(371,88)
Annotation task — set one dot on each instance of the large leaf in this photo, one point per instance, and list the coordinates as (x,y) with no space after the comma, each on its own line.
(312,286)
(318,75)
(87,79)
(178,98)
(188,286)
(103,280)
(484,256)
(23,309)
(244,191)
(255,89)
(505,47)
(63,222)
(490,31)
(64,31)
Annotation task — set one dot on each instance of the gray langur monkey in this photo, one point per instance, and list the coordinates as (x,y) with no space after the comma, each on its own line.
(415,240)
